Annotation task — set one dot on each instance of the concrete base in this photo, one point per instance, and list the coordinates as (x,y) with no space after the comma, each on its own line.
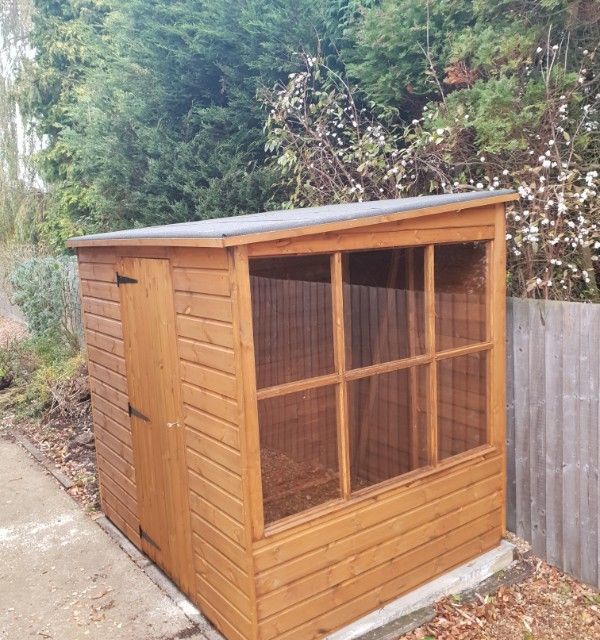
(410,610)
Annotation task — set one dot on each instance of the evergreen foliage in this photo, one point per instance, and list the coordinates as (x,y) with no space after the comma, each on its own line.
(46,288)
(154,111)
(151,109)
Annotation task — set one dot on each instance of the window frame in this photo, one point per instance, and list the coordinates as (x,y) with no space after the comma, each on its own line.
(342,375)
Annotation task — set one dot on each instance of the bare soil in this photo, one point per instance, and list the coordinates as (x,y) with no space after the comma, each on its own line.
(290,486)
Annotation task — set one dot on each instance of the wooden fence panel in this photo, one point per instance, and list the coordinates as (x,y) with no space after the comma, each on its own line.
(553,404)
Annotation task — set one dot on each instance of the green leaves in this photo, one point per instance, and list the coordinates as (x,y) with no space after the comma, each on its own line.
(150,107)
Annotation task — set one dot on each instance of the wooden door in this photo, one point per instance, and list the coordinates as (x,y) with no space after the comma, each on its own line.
(148,317)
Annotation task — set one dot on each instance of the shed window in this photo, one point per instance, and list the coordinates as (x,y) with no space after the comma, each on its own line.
(385,305)
(293,334)
(387,425)
(298,451)
(462,404)
(460,294)
(370,365)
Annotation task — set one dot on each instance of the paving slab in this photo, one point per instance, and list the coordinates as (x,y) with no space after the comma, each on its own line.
(62,577)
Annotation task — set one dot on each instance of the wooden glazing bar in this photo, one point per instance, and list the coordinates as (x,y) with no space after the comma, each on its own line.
(297,385)
(463,351)
(413,390)
(337,290)
(432,426)
(387,367)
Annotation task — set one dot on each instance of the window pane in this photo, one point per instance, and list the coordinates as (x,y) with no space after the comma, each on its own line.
(299,456)
(388,425)
(291,311)
(460,293)
(384,305)
(462,404)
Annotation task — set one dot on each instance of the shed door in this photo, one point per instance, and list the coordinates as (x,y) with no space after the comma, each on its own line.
(150,338)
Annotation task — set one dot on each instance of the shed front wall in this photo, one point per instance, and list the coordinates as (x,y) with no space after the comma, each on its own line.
(204,319)
(318,572)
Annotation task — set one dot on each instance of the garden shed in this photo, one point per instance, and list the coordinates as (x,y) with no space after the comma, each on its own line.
(299,415)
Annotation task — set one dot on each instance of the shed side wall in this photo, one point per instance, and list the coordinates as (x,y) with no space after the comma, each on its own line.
(108,385)
(203,306)
(205,328)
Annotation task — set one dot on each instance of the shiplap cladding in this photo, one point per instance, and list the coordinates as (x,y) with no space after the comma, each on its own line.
(204,317)
(348,564)
(108,385)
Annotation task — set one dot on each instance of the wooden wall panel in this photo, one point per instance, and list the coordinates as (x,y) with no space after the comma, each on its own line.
(204,322)
(348,563)
(454,226)
(108,386)
(211,412)
(553,461)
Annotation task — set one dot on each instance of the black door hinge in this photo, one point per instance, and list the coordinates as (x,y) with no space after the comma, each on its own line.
(145,536)
(124,280)
(134,413)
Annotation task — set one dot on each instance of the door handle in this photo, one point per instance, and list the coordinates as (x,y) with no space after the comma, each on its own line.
(172,425)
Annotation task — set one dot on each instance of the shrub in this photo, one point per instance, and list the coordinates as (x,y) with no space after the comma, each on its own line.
(47,291)
(15,363)
(329,148)
(58,387)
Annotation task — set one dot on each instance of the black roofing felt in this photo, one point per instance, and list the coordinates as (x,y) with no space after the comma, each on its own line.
(291,218)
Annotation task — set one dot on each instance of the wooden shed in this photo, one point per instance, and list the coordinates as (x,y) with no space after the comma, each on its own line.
(299,415)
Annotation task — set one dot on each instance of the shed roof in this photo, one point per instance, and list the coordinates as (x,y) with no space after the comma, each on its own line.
(267,225)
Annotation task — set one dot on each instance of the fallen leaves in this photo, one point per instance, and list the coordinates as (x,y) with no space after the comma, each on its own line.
(69,443)
(547,606)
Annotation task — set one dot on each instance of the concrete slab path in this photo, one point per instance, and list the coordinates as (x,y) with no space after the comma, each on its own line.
(62,577)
